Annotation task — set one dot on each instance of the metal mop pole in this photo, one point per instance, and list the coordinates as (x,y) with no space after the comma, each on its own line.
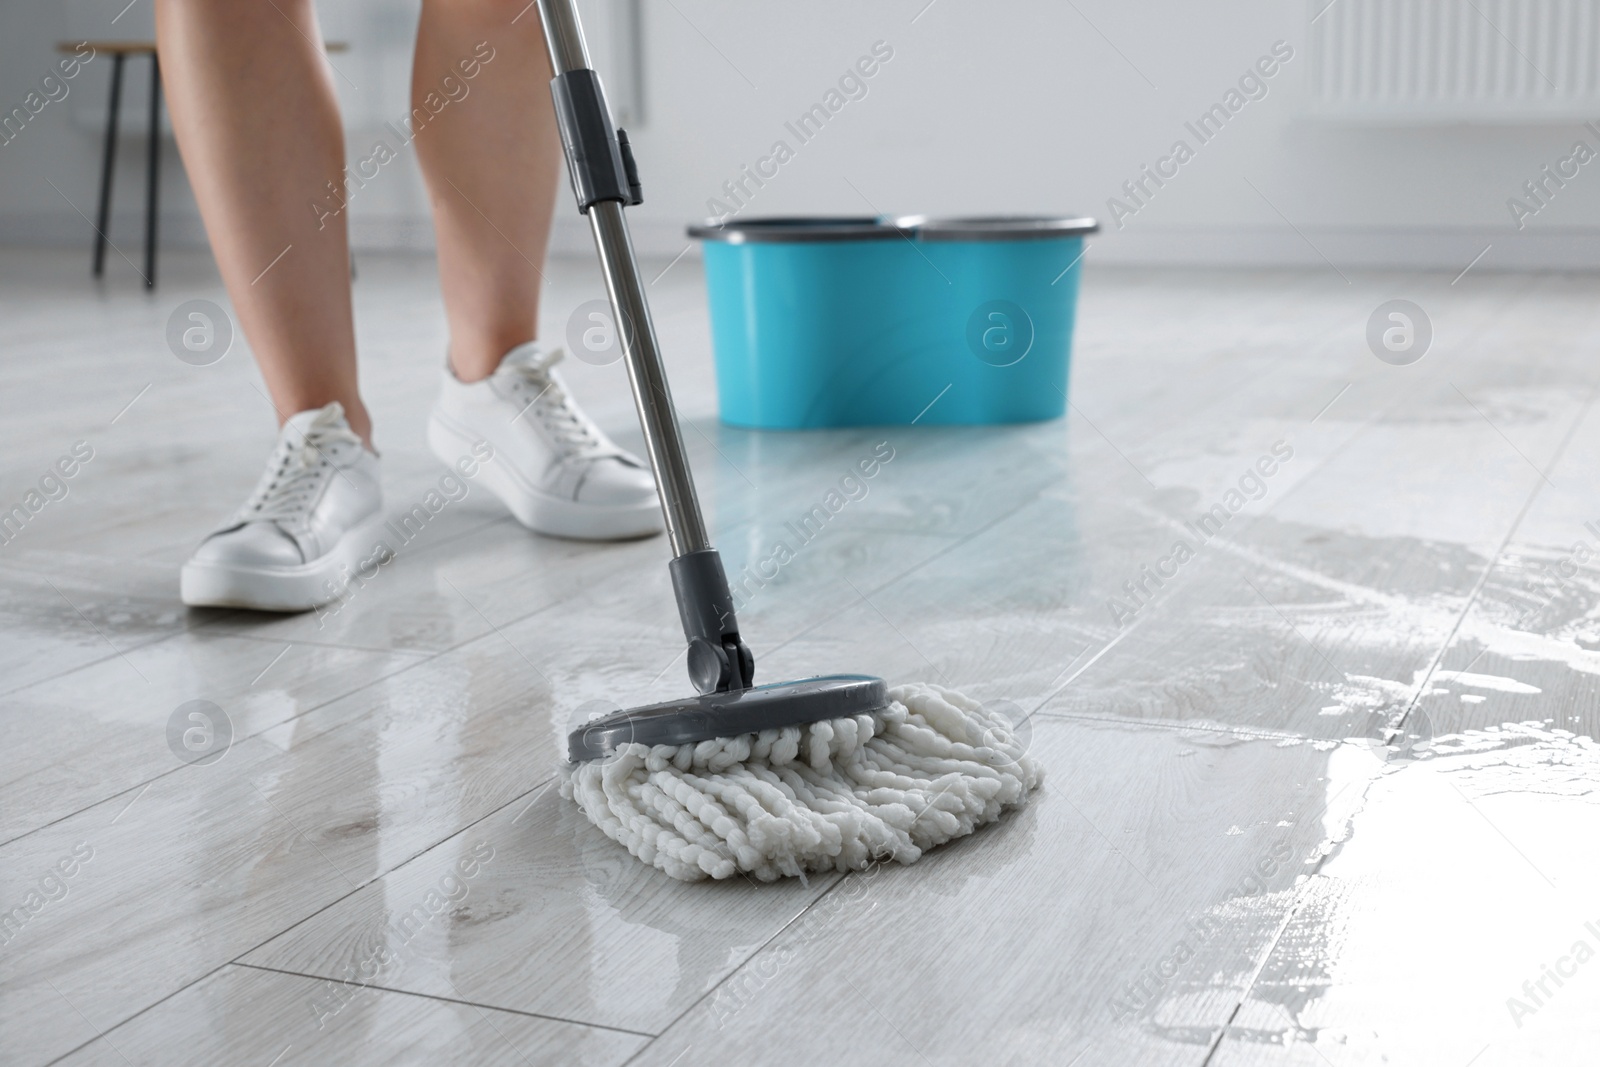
(600,163)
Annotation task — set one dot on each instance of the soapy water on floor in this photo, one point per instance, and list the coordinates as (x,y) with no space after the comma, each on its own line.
(1453,876)
(1452,911)
(1451,906)
(1467,872)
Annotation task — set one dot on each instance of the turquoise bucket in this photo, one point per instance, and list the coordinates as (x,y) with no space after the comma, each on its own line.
(819,322)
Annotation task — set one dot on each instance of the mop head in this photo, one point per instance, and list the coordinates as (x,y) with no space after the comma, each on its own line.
(835,795)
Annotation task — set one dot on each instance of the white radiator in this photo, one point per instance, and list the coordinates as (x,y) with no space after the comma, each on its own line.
(1455,60)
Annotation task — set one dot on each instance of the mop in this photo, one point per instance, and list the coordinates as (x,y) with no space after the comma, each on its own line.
(835,772)
(839,794)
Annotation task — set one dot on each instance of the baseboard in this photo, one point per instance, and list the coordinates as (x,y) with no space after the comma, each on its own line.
(63,229)
(1343,248)
(1346,248)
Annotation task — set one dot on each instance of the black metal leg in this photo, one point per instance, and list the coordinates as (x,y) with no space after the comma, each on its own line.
(108,163)
(152,180)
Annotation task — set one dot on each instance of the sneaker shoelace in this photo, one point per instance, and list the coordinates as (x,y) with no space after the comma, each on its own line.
(296,471)
(541,393)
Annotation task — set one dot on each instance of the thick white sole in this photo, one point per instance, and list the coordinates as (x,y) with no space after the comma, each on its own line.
(537,510)
(302,588)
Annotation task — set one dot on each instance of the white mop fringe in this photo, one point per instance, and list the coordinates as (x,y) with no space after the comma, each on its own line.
(835,795)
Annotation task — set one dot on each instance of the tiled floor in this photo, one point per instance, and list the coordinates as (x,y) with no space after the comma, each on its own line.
(1227,864)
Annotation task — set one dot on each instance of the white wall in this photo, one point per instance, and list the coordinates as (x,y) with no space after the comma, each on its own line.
(1018,106)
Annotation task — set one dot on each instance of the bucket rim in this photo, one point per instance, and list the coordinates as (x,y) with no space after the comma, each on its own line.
(995,227)
(792,229)
(795,229)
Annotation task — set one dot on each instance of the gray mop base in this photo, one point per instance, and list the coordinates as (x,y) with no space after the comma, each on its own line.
(690,720)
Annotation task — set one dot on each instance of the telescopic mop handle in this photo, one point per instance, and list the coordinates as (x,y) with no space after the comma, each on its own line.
(604,179)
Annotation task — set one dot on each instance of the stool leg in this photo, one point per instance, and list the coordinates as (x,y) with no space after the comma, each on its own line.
(108,164)
(152,182)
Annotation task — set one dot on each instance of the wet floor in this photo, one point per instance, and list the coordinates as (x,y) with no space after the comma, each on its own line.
(1321,785)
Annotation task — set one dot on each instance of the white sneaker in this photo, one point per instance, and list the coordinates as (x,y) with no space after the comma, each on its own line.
(555,469)
(316,509)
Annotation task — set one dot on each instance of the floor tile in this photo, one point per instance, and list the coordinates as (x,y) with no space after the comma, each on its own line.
(245,1015)
(998,948)
(552,896)
(103,729)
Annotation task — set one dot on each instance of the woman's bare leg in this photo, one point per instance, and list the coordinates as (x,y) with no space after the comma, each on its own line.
(492,158)
(253,106)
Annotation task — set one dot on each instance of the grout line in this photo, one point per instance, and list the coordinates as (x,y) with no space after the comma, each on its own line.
(1210,726)
(684,1014)
(413,654)
(239,959)
(1039,709)
(451,1000)
(1421,685)
(1494,561)
(85,1018)
(236,960)
(218,629)
(235,743)
(47,679)
(1261,965)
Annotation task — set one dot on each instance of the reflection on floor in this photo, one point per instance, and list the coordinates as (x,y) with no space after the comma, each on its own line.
(1322,785)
